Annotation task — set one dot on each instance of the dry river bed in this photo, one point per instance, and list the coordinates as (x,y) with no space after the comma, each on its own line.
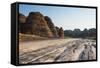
(57,50)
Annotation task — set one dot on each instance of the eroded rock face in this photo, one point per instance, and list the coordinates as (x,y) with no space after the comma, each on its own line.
(22,23)
(57,29)
(60,32)
(22,18)
(51,26)
(37,25)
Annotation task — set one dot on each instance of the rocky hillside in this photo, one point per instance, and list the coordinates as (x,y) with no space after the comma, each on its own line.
(38,24)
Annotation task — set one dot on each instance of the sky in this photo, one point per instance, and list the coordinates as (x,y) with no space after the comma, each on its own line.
(66,17)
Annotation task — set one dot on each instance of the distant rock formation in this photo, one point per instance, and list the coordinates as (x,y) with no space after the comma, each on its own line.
(61,33)
(37,24)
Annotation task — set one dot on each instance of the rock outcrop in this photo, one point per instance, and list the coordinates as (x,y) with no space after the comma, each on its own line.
(51,26)
(22,23)
(22,18)
(61,33)
(57,29)
(37,24)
